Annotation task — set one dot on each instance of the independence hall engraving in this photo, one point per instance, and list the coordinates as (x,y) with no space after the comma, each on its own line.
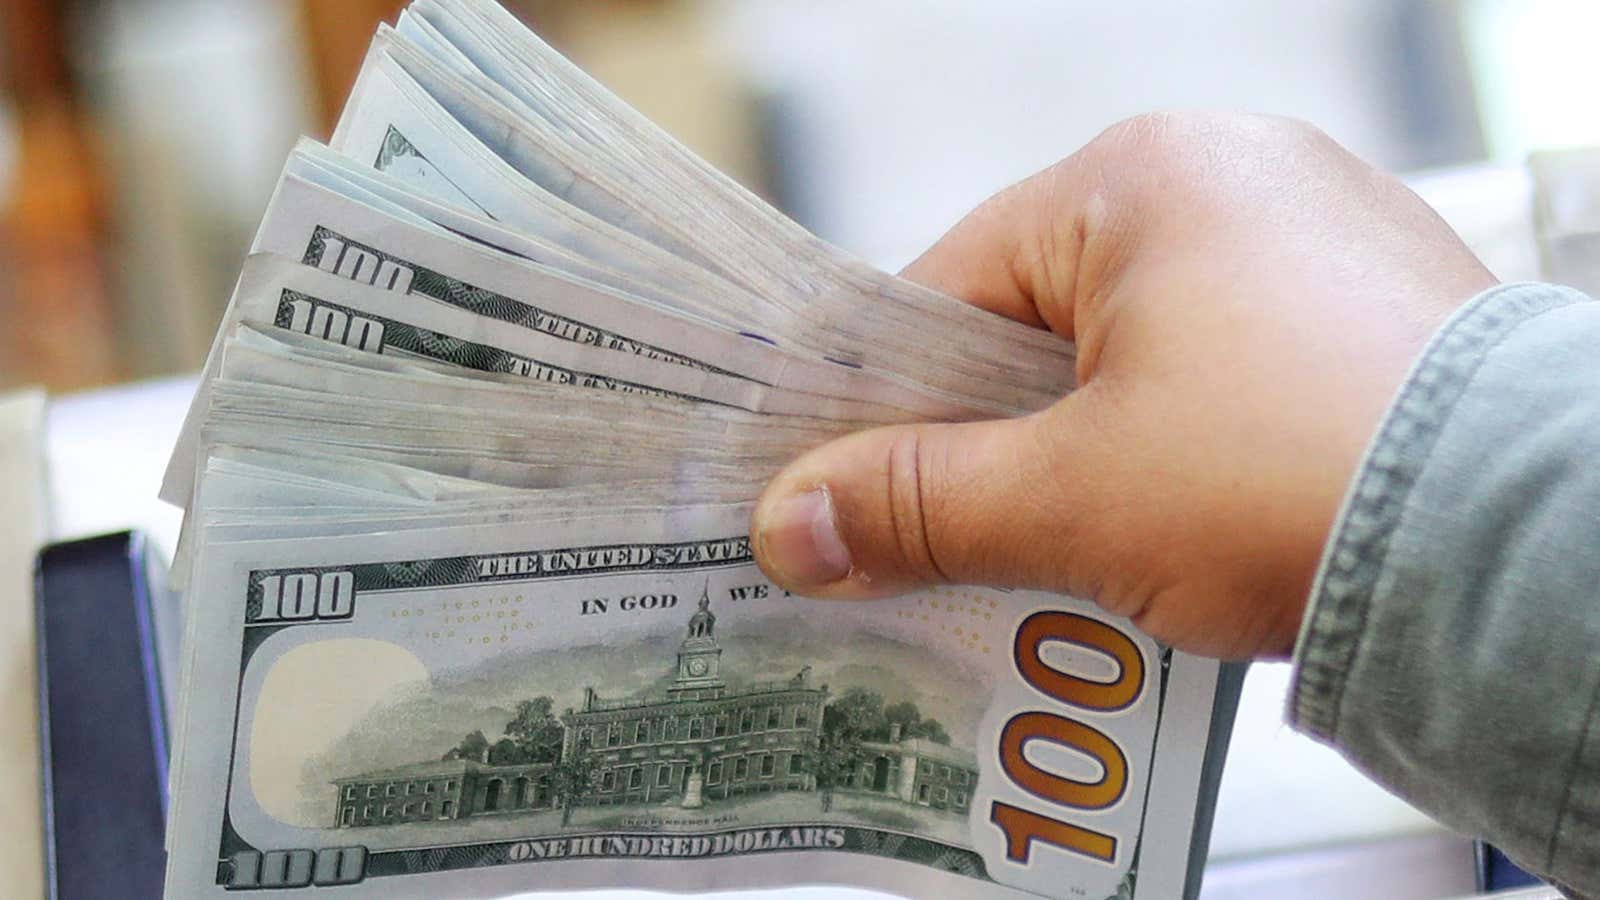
(700,740)
(696,741)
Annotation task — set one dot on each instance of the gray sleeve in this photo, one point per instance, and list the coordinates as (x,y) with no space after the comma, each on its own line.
(1451,647)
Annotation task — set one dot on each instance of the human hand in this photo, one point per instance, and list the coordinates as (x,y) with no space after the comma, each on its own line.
(1246,297)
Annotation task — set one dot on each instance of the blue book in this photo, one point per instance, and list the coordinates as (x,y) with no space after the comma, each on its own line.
(106,632)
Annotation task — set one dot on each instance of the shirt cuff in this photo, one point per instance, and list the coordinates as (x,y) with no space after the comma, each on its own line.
(1337,615)
(1450,642)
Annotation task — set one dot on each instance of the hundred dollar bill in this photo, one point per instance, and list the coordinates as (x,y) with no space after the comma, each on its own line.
(473,141)
(312,301)
(597,702)
(333,232)
(430,267)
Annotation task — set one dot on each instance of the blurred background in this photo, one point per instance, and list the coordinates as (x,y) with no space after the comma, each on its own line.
(139,139)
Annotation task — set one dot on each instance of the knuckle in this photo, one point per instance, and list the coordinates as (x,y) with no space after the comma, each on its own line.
(1294,127)
(1186,146)
(1174,136)
(1156,157)
(1151,133)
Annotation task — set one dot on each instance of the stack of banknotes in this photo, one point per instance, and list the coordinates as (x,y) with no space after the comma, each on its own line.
(471,607)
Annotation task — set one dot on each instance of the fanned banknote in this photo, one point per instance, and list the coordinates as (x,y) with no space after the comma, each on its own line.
(471,609)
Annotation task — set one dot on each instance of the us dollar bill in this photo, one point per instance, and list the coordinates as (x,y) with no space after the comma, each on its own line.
(304,313)
(473,712)
(471,609)
(336,253)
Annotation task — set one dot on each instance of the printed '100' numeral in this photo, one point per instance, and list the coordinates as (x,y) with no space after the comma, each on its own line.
(368,267)
(307,595)
(252,869)
(1023,827)
(335,325)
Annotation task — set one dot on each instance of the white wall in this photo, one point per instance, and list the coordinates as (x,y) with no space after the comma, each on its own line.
(898,116)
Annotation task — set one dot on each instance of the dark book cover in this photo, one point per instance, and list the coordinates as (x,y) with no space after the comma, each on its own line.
(103,719)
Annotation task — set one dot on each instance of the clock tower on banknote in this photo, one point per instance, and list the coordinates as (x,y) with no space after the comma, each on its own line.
(699,658)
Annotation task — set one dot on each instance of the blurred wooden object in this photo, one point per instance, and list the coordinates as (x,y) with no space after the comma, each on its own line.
(59,328)
(35,57)
(59,324)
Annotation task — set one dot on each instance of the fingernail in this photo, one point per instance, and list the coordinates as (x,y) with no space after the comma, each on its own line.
(802,542)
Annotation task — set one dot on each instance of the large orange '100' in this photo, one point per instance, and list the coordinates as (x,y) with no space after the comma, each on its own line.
(1023,827)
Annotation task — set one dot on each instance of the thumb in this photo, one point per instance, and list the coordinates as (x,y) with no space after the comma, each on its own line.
(884,511)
